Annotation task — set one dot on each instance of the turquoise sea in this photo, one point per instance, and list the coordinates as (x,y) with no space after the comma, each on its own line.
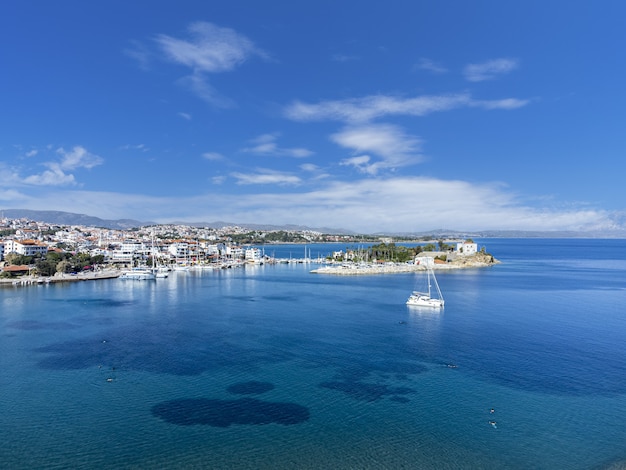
(274,367)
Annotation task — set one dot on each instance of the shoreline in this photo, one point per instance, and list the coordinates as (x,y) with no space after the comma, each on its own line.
(396,268)
(42,280)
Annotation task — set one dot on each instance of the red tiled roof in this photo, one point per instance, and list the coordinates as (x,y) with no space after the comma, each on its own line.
(16,268)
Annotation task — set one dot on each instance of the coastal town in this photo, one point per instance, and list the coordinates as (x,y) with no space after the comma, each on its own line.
(39,252)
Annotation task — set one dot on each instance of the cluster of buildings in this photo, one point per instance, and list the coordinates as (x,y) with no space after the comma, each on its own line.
(168,244)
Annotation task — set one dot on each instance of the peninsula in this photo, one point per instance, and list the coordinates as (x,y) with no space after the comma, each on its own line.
(476,260)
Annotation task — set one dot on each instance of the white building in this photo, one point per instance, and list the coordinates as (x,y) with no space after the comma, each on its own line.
(1,250)
(466,248)
(133,247)
(120,256)
(212,250)
(254,255)
(179,250)
(25,247)
(233,252)
(425,259)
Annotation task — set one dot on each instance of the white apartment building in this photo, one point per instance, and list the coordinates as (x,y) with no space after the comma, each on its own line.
(25,247)
(253,255)
(126,252)
(179,250)
(212,249)
(233,252)
(1,250)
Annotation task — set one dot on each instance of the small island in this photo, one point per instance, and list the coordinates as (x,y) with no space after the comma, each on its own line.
(466,255)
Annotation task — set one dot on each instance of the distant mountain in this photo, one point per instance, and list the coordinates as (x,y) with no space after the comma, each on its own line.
(69,218)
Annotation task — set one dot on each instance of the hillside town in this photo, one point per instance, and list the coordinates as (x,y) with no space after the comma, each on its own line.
(32,248)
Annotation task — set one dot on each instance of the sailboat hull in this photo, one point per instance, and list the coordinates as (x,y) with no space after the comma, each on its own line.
(419,299)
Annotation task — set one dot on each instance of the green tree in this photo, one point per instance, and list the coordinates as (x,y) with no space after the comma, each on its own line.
(46,267)
(16,259)
(64,267)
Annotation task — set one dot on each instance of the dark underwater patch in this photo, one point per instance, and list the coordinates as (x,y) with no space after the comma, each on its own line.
(252,387)
(95,301)
(359,370)
(364,391)
(223,413)
(153,348)
(398,399)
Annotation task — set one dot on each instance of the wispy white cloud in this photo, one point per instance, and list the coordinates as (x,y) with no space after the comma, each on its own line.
(52,177)
(396,204)
(141,147)
(314,172)
(310,167)
(266,145)
(140,53)
(58,171)
(78,157)
(390,143)
(9,175)
(199,85)
(12,197)
(213,156)
(265,176)
(185,116)
(376,106)
(430,66)
(507,103)
(489,70)
(208,49)
(362,163)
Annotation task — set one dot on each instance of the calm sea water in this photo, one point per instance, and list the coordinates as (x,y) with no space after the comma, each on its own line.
(274,367)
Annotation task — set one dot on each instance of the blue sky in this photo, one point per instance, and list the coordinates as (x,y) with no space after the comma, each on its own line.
(397,116)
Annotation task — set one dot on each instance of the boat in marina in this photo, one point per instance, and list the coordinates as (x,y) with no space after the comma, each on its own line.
(138,274)
(426,299)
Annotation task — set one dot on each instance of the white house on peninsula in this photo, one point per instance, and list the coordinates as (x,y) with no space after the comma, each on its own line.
(466,248)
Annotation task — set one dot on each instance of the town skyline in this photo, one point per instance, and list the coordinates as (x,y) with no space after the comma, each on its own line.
(408,119)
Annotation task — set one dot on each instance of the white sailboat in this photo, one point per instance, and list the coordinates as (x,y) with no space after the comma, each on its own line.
(426,299)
